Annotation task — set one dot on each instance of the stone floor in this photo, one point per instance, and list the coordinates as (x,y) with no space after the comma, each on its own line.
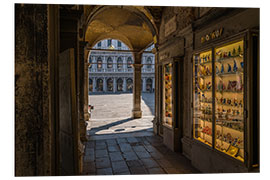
(119,145)
(133,155)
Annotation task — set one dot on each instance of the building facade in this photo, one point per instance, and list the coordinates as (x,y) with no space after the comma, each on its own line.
(112,72)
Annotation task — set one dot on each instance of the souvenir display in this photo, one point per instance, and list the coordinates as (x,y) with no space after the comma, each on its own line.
(202,80)
(168,94)
(228,94)
(229,116)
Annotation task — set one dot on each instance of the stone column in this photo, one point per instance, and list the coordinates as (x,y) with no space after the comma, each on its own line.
(144,85)
(104,64)
(94,84)
(114,84)
(104,85)
(124,84)
(136,111)
(153,84)
(114,63)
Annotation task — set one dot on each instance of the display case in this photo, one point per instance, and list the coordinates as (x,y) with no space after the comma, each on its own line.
(167,95)
(219,81)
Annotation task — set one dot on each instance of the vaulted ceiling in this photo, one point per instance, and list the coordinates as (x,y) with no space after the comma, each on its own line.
(134,25)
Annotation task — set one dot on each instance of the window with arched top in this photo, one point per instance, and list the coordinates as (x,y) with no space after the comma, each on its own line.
(109,63)
(129,62)
(149,84)
(99,85)
(110,84)
(119,84)
(90,85)
(149,63)
(99,63)
(119,63)
(129,84)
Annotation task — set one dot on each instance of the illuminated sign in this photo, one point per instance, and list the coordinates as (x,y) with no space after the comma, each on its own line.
(213,35)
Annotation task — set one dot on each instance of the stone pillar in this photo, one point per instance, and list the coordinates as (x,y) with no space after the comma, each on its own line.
(104,85)
(153,84)
(104,63)
(114,63)
(94,84)
(144,85)
(124,84)
(136,111)
(114,84)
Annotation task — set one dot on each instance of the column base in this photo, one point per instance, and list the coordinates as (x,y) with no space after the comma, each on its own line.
(136,114)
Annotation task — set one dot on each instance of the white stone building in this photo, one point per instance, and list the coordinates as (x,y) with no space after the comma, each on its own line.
(112,72)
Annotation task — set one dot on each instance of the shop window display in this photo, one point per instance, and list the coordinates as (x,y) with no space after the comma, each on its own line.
(227,98)
(167,120)
(229,102)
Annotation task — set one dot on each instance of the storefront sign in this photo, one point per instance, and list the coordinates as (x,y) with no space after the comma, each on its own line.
(170,26)
(213,35)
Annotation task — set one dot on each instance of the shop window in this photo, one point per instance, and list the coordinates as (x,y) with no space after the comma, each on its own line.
(120,84)
(167,95)
(109,63)
(129,84)
(119,63)
(99,85)
(110,84)
(225,122)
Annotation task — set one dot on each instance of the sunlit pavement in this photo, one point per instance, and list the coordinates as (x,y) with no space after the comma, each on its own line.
(112,116)
(120,145)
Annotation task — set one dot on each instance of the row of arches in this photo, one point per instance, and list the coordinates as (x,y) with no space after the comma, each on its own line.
(120,63)
(98,86)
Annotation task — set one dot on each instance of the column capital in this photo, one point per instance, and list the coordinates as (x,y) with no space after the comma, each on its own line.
(137,66)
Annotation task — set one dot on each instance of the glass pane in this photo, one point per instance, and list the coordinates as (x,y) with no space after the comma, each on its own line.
(202,97)
(229,107)
(167,95)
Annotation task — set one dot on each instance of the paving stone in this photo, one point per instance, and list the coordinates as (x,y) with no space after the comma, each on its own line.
(128,156)
(101,153)
(149,163)
(100,142)
(134,163)
(150,148)
(89,151)
(132,140)
(125,147)
(171,170)
(164,163)
(138,148)
(116,156)
(89,158)
(104,171)
(111,142)
(89,167)
(90,144)
(143,155)
(156,171)
(119,166)
(121,140)
(138,170)
(156,155)
(122,173)
(103,163)
(113,148)
(101,146)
